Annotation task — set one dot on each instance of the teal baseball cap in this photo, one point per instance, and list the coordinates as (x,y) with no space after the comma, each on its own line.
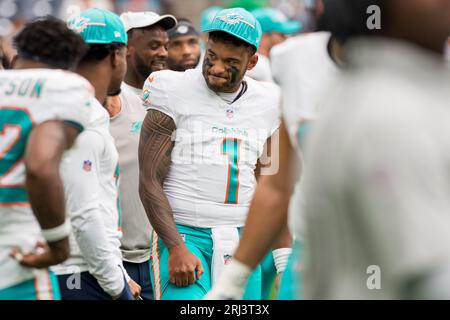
(273,20)
(98,26)
(208,16)
(239,23)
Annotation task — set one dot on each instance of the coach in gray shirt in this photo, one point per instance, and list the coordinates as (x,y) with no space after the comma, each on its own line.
(144,29)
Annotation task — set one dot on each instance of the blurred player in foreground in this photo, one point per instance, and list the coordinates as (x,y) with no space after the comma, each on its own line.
(42,111)
(196,188)
(376,188)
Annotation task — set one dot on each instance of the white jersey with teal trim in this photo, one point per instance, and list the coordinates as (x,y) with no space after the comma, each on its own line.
(217,145)
(91,174)
(28,98)
(304,69)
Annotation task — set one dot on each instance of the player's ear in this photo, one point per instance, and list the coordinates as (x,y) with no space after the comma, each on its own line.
(253,61)
(130,50)
(116,57)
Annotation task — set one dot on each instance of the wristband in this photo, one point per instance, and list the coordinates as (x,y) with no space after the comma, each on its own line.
(58,233)
(231,283)
(281,257)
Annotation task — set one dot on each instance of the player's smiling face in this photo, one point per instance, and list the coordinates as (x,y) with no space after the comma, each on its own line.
(147,50)
(225,65)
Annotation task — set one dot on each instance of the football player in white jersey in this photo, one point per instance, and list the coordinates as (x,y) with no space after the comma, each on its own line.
(41,113)
(91,174)
(196,189)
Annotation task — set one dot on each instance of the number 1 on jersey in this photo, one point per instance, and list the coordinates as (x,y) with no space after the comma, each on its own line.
(231,148)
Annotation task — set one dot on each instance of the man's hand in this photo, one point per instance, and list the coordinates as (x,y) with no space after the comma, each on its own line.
(134,288)
(44,255)
(183,266)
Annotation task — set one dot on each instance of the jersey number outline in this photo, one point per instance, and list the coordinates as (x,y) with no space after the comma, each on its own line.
(15,126)
(231,148)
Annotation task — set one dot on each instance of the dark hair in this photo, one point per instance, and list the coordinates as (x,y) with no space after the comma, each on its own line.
(98,52)
(48,40)
(220,36)
(347,18)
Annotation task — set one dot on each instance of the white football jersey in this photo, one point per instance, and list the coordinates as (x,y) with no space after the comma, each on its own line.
(90,173)
(28,98)
(304,69)
(217,145)
(262,70)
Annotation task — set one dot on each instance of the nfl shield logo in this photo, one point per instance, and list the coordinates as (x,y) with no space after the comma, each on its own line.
(87,165)
(230,113)
(227,259)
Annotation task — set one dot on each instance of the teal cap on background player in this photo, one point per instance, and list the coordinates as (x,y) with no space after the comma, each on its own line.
(98,26)
(239,23)
(273,20)
(208,16)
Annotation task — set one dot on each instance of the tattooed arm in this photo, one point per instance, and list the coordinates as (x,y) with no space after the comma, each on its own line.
(155,149)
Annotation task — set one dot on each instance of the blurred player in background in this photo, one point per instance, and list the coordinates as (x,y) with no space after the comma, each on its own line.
(197,202)
(304,66)
(91,173)
(184,47)
(147,43)
(375,187)
(276,27)
(42,111)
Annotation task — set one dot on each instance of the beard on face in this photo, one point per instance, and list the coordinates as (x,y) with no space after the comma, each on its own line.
(115,86)
(114,93)
(145,68)
(179,66)
(232,82)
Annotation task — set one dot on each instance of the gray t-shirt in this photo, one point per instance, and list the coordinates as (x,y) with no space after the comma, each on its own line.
(125,127)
